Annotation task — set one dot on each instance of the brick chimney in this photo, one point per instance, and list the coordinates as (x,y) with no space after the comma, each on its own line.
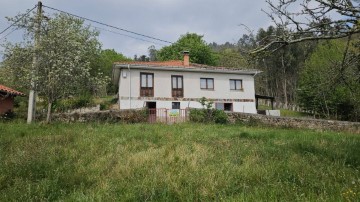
(186,59)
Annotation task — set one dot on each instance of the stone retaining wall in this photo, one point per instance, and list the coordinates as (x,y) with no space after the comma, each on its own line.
(317,124)
(109,116)
(140,116)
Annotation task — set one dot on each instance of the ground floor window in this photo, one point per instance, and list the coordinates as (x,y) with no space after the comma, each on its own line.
(176,105)
(224,106)
(151,105)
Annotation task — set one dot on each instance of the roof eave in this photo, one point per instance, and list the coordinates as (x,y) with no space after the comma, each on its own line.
(187,69)
(13,94)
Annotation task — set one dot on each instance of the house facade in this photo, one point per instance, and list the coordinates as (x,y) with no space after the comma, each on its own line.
(180,85)
(7,99)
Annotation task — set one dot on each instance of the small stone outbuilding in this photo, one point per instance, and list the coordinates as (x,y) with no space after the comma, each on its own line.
(7,98)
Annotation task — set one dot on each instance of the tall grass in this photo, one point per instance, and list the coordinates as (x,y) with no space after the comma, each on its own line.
(183,162)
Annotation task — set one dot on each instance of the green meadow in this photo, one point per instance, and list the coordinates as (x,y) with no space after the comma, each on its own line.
(181,162)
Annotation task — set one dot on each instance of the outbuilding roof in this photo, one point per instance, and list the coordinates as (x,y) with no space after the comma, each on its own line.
(8,90)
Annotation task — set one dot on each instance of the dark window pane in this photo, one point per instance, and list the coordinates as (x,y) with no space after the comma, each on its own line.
(227,106)
(176,105)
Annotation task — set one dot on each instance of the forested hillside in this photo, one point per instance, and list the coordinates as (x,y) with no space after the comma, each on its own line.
(308,58)
(319,76)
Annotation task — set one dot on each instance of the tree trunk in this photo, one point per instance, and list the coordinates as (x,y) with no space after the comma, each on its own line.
(284,81)
(267,85)
(48,116)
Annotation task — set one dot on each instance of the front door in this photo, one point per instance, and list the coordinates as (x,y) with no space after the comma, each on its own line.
(152,111)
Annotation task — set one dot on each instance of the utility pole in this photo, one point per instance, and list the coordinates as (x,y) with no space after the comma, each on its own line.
(32,94)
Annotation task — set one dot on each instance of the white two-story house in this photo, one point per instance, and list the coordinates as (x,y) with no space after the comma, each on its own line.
(180,85)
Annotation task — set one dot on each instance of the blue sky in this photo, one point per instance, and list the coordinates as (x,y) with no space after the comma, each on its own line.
(217,20)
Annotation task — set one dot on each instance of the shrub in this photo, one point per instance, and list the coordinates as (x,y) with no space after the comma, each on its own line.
(20,107)
(208,116)
(9,115)
(220,116)
(104,106)
(134,116)
(73,103)
(106,103)
(197,115)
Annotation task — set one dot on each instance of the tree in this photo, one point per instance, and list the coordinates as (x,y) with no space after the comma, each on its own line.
(67,48)
(330,81)
(152,53)
(232,59)
(281,67)
(228,55)
(103,64)
(200,52)
(313,22)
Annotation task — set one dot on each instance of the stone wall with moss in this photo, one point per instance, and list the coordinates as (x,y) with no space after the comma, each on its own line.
(317,124)
(141,116)
(123,116)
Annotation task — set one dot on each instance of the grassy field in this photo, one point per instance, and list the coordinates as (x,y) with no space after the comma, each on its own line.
(186,162)
(286,112)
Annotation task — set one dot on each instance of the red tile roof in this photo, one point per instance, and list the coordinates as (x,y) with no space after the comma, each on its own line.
(171,63)
(10,91)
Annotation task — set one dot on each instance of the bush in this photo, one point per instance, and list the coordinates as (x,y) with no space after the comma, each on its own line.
(9,115)
(208,116)
(73,103)
(197,115)
(104,106)
(21,107)
(134,116)
(220,116)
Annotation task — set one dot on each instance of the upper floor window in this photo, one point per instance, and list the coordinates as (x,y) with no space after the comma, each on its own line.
(207,83)
(236,84)
(146,84)
(177,86)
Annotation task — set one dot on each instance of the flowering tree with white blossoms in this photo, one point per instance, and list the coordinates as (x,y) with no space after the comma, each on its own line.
(65,51)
